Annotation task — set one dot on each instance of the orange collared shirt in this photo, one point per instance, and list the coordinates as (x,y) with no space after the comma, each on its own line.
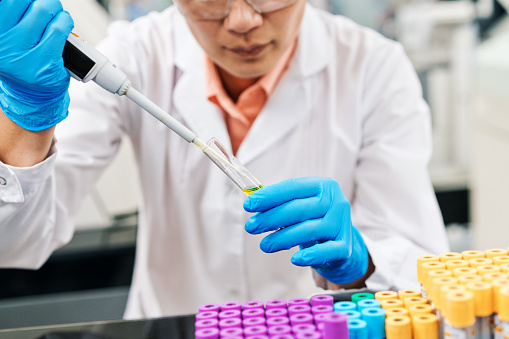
(240,116)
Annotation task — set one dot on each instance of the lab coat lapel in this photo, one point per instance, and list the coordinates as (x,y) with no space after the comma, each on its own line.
(291,100)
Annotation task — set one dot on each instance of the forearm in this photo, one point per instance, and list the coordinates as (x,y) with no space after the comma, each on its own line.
(20,147)
(359,283)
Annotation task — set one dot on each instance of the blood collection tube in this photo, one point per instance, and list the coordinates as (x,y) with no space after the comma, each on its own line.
(297,309)
(420,261)
(504,268)
(489,277)
(206,315)
(335,326)
(361,296)
(425,326)
(474,263)
(458,272)
(322,299)
(391,303)
(385,295)
(495,252)
(483,306)
(450,265)
(276,312)
(352,314)
(255,330)
(398,328)
(426,267)
(275,303)
(472,254)
(484,269)
(320,319)
(368,303)
(229,314)
(503,311)
(396,312)
(342,306)
(303,328)
(435,289)
(415,301)
(207,333)
(229,323)
(467,279)
(441,298)
(497,324)
(403,294)
(308,335)
(206,323)
(277,321)
(433,275)
(503,259)
(258,321)
(357,329)
(209,308)
(232,332)
(450,256)
(252,305)
(279,330)
(322,309)
(301,318)
(375,319)
(253,313)
(459,319)
(298,301)
(232,305)
(420,309)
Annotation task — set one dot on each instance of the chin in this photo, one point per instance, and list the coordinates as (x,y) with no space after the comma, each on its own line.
(249,69)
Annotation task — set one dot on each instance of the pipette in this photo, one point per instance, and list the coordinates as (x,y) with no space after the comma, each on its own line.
(85,63)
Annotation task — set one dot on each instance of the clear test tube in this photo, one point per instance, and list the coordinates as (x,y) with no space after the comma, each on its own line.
(236,171)
(459,319)
(483,305)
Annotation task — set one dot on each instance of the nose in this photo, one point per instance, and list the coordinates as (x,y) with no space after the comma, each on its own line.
(242,18)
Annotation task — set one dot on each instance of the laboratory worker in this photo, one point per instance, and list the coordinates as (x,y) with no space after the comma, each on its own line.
(328,115)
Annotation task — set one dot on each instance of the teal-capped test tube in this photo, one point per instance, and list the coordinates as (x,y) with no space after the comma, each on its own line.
(367,303)
(342,306)
(357,329)
(375,320)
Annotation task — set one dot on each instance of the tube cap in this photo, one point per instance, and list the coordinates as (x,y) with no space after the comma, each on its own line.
(436,274)
(390,303)
(396,312)
(335,326)
(403,294)
(322,299)
(504,268)
(452,264)
(375,318)
(425,326)
(446,289)
(368,303)
(358,329)
(467,279)
(415,301)
(503,311)
(458,272)
(420,309)
(421,260)
(503,259)
(497,285)
(426,267)
(483,298)
(467,255)
(385,295)
(489,277)
(483,269)
(495,252)
(435,288)
(460,309)
(450,256)
(398,327)
(474,263)
(361,296)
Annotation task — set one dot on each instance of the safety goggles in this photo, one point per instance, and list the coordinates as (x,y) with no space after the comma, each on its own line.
(219,9)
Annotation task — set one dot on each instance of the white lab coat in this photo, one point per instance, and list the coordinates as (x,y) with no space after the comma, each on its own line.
(349,107)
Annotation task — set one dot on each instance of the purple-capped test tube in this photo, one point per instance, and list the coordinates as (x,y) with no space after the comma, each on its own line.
(253,313)
(308,335)
(276,312)
(284,336)
(233,305)
(301,318)
(230,322)
(278,321)
(296,309)
(322,299)
(253,304)
(229,314)
(298,301)
(303,328)
(279,330)
(322,309)
(258,321)
(319,318)
(206,315)
(209,308)
(275,303)
(207,333)
(255,330)
(259,336)
(231,332)
(335,326)
(206,323)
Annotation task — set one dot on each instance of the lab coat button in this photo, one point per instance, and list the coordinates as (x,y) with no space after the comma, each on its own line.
(3,182)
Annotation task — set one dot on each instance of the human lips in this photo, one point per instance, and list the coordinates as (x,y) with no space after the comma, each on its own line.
(249,51)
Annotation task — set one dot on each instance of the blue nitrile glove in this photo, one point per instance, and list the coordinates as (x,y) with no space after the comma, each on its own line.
(33,80)
(316,216)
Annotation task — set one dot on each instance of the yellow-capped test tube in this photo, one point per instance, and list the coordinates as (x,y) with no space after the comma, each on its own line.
(483,307)
(420,309)
(396,312)
(444,290)
(415,301)
(452,264)
(458,272)
(504,268)
(489,277)
(385,295)
(503,311)
(433,275)
(483,269)
(445,257)
(495,252)
(391,303)
(472,254)
(503,259)
(398,327)
(467,279)
(474,263)
(425,326)
(459,315)
(408,293)
(425,268)
(421,260)
(497,285)
(437,283)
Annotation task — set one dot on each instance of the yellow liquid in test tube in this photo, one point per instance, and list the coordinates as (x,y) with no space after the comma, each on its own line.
(251,190)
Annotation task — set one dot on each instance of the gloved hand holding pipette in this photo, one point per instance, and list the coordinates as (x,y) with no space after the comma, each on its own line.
(33,80)
(315,215)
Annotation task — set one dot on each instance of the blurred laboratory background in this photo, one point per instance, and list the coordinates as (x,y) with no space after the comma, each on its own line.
(460,50)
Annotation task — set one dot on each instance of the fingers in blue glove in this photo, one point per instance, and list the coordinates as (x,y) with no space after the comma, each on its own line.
(11,12)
